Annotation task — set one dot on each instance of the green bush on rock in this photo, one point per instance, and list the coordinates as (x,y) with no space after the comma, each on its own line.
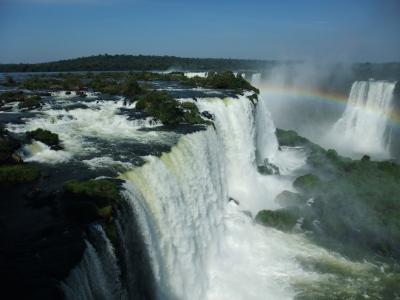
(91,200)
(103,191)
(169,111)
(130,88)
(307,183)
(280,219)
(45,136)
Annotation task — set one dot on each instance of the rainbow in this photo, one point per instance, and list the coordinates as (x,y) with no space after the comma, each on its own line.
(319,95)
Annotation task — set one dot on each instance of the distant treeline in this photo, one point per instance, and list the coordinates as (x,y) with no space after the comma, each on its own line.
(137,63)
(105,62)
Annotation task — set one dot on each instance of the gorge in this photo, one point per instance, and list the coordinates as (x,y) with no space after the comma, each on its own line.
(187,224)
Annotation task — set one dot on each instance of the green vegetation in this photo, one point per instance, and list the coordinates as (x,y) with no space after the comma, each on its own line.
(139,63)
(290,138)
(45,136)
(31,102)
(280,219)
(25,102)
(307,183)
(355,202)
(169,111)
(13,96)
(130,88)
(16,174)
(222,80)
(91,200)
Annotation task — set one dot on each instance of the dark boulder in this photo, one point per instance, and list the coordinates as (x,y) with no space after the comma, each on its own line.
(81,94)
(207,115)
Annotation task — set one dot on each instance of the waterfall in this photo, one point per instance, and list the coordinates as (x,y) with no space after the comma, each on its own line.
(236,126)
(176,217)
(266,143)
(179,200)
(97,275)
(256,79)
(363,128)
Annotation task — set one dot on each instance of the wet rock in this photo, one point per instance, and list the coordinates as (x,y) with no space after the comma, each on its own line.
(268,168)
(8,146)
(234,200)
(280,219)
(207,115)
(45,136)
(81,94)
(31,102)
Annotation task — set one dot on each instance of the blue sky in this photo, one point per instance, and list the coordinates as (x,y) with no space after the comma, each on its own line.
(335,30)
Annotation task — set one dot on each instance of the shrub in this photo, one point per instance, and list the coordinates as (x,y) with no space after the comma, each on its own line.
(307,183)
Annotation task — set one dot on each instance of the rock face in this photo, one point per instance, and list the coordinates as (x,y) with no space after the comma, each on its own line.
(268,169)
(8,146)
(91,200)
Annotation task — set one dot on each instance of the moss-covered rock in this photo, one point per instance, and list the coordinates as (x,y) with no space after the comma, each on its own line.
(16,174)
(307,183)
(91,200)
(169,111)
(290,138)
(103,191)
(45,136)
(280,219)
(12,96)
(31,102)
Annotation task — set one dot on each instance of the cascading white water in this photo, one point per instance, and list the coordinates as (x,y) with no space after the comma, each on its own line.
(236,126)
(256,79)
(179,200)
(194,74)
(266,143)
(97,275)
(363,128)
(200,245)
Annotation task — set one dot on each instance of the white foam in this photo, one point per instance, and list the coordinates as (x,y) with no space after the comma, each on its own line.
(40,152)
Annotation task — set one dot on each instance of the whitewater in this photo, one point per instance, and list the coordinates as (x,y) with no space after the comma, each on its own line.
(193,206)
